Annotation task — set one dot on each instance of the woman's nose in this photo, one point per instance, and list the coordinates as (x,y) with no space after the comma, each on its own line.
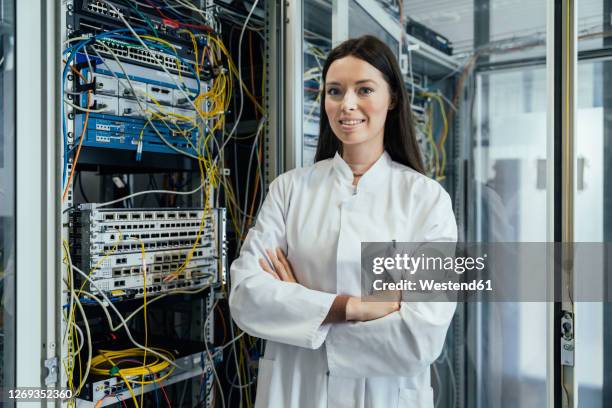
(349,102)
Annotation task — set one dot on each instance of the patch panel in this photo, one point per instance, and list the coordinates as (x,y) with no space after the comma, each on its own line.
(132,54)
(117,265)
(109,242)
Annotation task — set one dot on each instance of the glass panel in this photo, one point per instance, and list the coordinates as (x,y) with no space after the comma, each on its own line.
(593,190)
(507,194)
(7,196)
(590,22)
(520,26)
(509,188)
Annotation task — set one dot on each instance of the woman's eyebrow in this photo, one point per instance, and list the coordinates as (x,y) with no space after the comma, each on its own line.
(361,81)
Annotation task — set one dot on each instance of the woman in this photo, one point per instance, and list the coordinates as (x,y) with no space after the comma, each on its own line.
(297,280)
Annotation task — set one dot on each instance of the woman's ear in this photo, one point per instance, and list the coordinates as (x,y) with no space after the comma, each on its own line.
(393,102)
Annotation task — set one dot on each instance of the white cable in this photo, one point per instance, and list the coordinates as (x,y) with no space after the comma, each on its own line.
(236,361)
(91,70)
(72,297)
(74,300)
(135,312)
(246,191)
(73,39)
(81,336)
(89,346)
(229,343)
(127,197)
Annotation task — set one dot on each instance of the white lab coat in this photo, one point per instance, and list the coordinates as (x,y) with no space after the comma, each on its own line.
(319,219)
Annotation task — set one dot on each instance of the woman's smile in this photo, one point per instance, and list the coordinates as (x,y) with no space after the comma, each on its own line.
(349,125)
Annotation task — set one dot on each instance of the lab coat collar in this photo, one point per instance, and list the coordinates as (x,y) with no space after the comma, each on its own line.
(374,178)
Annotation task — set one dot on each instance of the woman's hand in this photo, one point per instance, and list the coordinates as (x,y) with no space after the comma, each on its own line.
(371,308)
(281,267)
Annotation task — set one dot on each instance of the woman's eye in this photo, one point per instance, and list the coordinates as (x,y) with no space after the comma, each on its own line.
(332,91)
(366,91)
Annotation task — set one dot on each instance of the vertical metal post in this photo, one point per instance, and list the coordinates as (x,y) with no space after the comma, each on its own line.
(340,21)
(294,76)
(274,88)
(476,388)
(561,65)
(7,193)
(568,126)
(607,203)
(37,184)
(553,310)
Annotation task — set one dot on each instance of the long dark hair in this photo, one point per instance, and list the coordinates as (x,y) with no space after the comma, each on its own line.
(400,137)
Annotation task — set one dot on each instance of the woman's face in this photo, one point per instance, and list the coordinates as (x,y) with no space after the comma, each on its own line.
(357,99)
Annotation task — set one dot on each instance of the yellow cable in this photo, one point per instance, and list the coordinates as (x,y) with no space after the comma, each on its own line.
(442,137)
(146,330)
(125,380)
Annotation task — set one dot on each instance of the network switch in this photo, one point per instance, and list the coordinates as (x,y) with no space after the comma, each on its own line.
(127,132)
(109,243)
(127,115)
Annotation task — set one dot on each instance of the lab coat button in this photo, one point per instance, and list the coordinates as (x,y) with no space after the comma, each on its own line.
(327,373)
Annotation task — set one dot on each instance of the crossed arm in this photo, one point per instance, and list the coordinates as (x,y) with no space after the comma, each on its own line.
(344,307)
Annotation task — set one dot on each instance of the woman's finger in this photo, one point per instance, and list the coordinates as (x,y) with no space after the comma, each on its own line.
(278,266)
(264,265)
(283,259)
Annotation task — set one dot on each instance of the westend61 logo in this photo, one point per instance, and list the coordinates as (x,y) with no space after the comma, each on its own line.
(485,271)
(412,264)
